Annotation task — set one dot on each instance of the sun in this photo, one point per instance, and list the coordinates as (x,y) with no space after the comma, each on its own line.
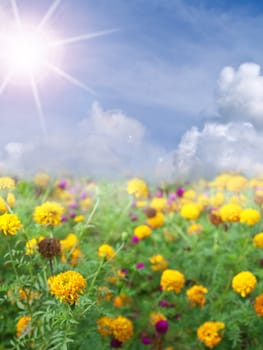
(25,52)
(29,52)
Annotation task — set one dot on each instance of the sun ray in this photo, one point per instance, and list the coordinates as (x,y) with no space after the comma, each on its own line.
(83,37)
(5,82)
(36,96)
(55,69)
(49,14)
(16,14)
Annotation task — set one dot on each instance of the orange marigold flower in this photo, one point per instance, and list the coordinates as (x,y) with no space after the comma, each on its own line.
(10,224)
(230,212)
(196,295)
(106,251)
(142,231)
(258,305)
(23,326)
(258,240)
(158,263)
(250,216)
(122,329)
(244,283)
(172,280)
(210,333)
(49,213)
(67,286)
(104,326)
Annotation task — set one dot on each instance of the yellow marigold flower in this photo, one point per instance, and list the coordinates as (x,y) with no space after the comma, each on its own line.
(258,305)
(221,180)
(196,295)
(159,204)
(104,326)
(210,333)
(230,212)
(23,326)
(217,199)
(138,188)
(203,200)
(70,242)
(156,317)
(10,224)
(79,218)
(11,199)
(258,240)
(86,203)
(195,229)
(236,183)
(172,280)
(122,329)
(49,213)
(42,180)
(3,207)
(106,251)
(142,231)
(190,194)
(67,286)
(31,246)
(190,211)
(6,183)
(156,221)
(250,216)
(238,199)
(244,283)
(141,204)
(76,256)
(158,263)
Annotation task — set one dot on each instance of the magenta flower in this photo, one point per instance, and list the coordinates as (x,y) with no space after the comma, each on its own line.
(161,326)
(140,266)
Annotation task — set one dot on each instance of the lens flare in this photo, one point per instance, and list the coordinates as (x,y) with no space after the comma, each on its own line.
(25,52)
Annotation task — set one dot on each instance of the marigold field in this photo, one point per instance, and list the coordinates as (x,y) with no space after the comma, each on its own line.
(130,264)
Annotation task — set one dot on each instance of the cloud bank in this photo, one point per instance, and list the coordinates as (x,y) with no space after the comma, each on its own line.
(237,144)
(106,144)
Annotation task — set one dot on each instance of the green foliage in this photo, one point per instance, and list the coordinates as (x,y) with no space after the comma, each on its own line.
(116,286)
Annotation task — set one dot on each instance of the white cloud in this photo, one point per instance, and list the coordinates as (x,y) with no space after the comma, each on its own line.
(217,148)
(106,144)
(240,93)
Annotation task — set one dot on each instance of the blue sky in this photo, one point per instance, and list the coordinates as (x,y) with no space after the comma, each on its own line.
(160,69)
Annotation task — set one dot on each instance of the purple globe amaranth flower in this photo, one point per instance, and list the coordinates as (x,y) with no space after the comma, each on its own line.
(134,217)
(73,205)
(64,218)
(72,214)
(135,239)
(115,343)
(180,192)
(62,184)
(159,194)
(177,316)
(146,340)
(83,195)
(164,303)
(140,266)
(161,326)
(172,196)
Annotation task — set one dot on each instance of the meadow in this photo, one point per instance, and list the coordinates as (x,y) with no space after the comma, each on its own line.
(131,264)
